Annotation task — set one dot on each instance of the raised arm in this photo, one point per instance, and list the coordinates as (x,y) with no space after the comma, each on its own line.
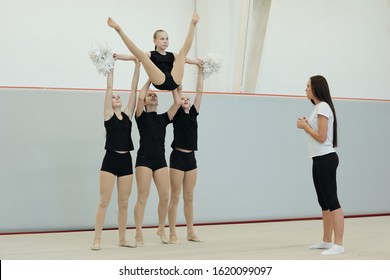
(176,94)
(129,110)
(108,110)
(199,89)
(141,99)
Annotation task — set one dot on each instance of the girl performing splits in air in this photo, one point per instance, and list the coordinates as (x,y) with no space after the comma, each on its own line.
(117,161)
(165,69)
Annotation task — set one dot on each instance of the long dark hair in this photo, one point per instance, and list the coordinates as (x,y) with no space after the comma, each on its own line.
(320,89)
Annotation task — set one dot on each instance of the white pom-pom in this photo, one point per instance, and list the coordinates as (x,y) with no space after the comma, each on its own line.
(211,64)
(101,56)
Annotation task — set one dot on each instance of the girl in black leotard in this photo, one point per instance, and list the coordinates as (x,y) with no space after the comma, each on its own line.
(117,161)
(183,167)
(151,163)
(164,78)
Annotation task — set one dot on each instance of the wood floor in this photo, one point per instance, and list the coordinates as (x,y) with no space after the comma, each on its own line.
(365,239)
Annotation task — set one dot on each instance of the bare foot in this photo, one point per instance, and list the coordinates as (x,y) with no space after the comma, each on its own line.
(191,236)
(96,245)
(173,239)
(124,243)
(139,242)
(139,239)
(163,237)
(113,24)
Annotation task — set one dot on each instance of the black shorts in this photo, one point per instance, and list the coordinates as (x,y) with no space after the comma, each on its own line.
(182,161)
(153,163)
(169,83)
(117,163)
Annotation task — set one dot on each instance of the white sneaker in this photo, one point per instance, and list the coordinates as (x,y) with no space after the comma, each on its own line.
(322,245)
(335,250)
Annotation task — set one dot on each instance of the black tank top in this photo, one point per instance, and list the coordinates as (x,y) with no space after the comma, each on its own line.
(152,130)
(185,129)
(118,131)
(163,62)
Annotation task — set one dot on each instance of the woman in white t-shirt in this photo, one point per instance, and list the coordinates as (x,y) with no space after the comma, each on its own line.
(321,128)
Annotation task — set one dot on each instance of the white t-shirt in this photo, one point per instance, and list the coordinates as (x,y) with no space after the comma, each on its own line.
(316,148)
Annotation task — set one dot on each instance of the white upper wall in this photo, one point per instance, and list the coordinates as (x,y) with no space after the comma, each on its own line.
(347,41)
(46,43)
(222,30)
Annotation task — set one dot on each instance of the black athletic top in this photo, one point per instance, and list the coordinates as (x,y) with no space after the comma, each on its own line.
(118,131)
(185,129)
(163,62)
(152,130)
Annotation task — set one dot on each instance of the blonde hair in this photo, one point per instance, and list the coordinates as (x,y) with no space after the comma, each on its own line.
(158,31)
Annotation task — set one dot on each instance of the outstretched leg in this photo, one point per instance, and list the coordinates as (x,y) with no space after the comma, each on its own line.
(178,68)
(156,76)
